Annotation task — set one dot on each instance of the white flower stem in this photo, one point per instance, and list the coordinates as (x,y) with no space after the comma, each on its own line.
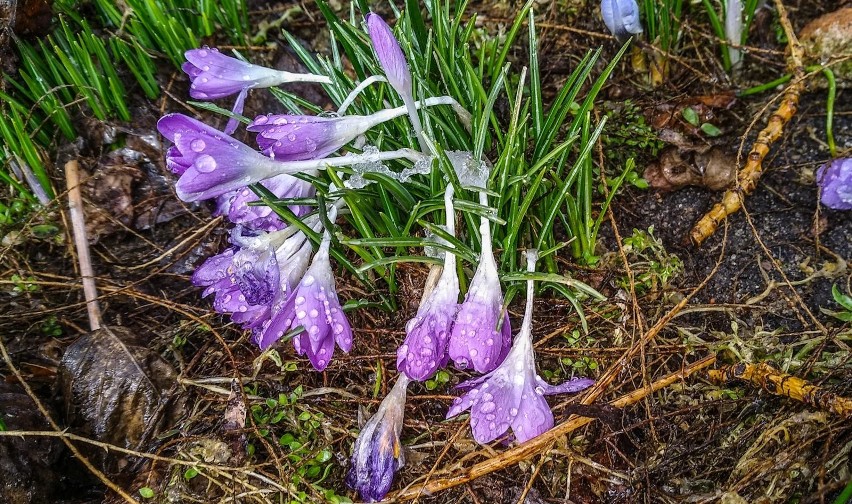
(450,261)
(532,258)
(358,90)
(411,107)
(734,30)
(299,77)
(485,230)
(272,168)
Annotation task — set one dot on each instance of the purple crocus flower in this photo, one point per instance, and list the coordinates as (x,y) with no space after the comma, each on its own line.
(214,75)
(300,137)
(212,164)
(314,306)
(513,394)
(475,340)
(621,17)
(209,162)
(835,182)
(393,62)
(244,281)
(250,276)
(378,455)
(424,350)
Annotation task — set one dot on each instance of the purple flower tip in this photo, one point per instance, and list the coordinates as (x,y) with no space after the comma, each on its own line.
(300,137)
(209,162)
(621,17)
(215,75)
(475,340)
(378,454)
(835,181)
(424,350)
(314,306)
(389,54)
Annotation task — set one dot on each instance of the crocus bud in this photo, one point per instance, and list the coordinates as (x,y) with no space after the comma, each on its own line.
(389,54)
(378,454)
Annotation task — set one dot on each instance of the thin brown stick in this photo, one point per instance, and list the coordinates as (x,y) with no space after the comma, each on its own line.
(748,177)
(780,383)
(545,441)
(53,425)
(81,241)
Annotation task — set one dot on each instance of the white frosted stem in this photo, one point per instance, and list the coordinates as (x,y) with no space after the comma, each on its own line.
(734,30)
(485,230)
(358,90)
(298,77)
(532,258)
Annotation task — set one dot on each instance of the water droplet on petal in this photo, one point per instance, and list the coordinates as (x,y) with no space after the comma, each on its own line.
(314,313)
(308,280)
(197,145)
(300,300)
(203,53)
(488,407)
(205,163)
(473,352)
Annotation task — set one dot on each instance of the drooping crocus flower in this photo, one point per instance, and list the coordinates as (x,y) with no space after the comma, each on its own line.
(378,455)
(255,271)
(214,75)
(835,182)
(244,281)
(424,350)
(262,217)
(393,62)
(621,17)
(212,164)
(512,396)
(299,137)
(475,340)
(313,305)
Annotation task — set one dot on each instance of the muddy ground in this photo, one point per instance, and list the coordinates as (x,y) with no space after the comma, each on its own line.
(694,441)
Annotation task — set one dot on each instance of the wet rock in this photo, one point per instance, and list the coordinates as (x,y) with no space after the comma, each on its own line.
(118,391)
(829,38)
(713,168)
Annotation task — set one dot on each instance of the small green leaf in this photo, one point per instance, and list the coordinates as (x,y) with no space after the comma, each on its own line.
(146,492)
(710,130)
(841,298)
(691,116)
(190,473)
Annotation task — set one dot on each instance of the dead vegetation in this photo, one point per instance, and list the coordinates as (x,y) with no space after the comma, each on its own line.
(221,423)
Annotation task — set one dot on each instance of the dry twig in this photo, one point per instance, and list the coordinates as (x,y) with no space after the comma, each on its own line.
(81,241)
(780,383)
(747,178)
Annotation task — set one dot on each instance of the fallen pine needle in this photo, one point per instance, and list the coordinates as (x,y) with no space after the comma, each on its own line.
(543,442)
(780,383)
(747,178)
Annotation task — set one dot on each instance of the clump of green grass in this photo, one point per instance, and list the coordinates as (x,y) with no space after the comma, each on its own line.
(87,66)
(542,187)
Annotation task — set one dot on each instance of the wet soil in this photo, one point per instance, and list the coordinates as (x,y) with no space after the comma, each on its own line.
(694,442)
